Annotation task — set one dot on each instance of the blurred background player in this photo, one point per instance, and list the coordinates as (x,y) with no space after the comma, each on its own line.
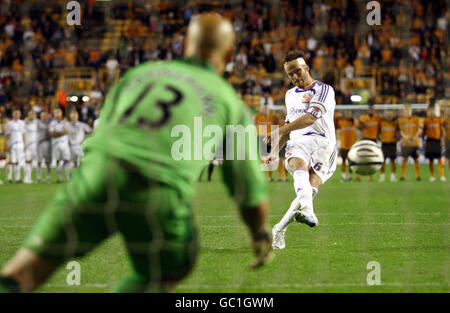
(216,161)
(447,135)
(433,130)
(346,128)
(282,172)
(44,147)
(59,132)
(31,142)
(370,127)
(264,121)
(77,132)
(410,130)
(15,132)
(388,138)
(151,191)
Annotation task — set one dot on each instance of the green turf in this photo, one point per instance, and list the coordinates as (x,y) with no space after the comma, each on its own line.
(403,226)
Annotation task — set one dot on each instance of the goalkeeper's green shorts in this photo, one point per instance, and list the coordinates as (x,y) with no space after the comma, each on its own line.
(105,196)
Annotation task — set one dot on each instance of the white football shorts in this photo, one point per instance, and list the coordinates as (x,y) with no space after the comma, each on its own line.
(60,151)
(317,151)
(17,154)
(31,153)
(76,153)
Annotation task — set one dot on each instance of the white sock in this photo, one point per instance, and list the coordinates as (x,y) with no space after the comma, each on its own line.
(382,176)
(17,172)
(59,170)
(10,171)
(68,167)
(304,192)
(28,171)
(303,188)
(392,176)
(289,215)
(315,191)
(344,175)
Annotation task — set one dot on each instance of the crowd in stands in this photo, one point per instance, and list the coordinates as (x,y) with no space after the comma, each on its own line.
(406,54)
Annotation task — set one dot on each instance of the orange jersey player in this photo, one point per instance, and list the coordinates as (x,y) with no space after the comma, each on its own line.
(346,127)
(282,172)
(370,124)
(433,129)
(410,131)
(447,135)
(388,138)
(264,121)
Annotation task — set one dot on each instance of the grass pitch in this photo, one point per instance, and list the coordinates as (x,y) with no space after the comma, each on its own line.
(403,226)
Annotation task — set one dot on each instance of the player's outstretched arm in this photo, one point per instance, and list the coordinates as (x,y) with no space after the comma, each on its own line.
(303,121)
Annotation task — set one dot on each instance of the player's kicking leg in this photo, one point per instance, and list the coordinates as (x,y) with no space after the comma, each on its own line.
(301,208)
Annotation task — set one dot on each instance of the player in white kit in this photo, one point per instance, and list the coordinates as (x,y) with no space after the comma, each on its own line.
(44,146)
(59,132)
(309,136)
(15,131)
(31,143)
(78,131)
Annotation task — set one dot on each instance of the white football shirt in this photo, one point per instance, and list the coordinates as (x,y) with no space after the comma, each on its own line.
(15,131)
(31,132)
(77,133)
(43,134)
(320,102)
(59,126)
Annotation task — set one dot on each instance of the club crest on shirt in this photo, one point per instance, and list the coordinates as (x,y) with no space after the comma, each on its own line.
(306,98)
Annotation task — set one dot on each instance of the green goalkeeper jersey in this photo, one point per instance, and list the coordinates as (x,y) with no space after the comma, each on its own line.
(164,120)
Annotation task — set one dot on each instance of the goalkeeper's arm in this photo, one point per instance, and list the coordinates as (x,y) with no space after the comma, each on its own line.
(256,220)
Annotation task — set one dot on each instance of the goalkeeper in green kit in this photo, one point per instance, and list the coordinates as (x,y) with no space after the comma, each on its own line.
(133,180)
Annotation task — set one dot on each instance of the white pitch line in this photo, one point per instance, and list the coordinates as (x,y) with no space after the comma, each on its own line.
(338,224)
(332,224)
(335,214)
(78,286)
(324,285)
(269,286)
(278,215)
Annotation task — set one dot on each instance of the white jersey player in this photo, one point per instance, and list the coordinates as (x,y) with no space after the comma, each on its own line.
(59,132)
(78,131)
(31,142)
(15,130)
(309,136)
(44,146)
(96,122)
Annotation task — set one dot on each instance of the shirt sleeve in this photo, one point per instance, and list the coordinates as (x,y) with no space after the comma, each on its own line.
(286,102)
(321,101)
